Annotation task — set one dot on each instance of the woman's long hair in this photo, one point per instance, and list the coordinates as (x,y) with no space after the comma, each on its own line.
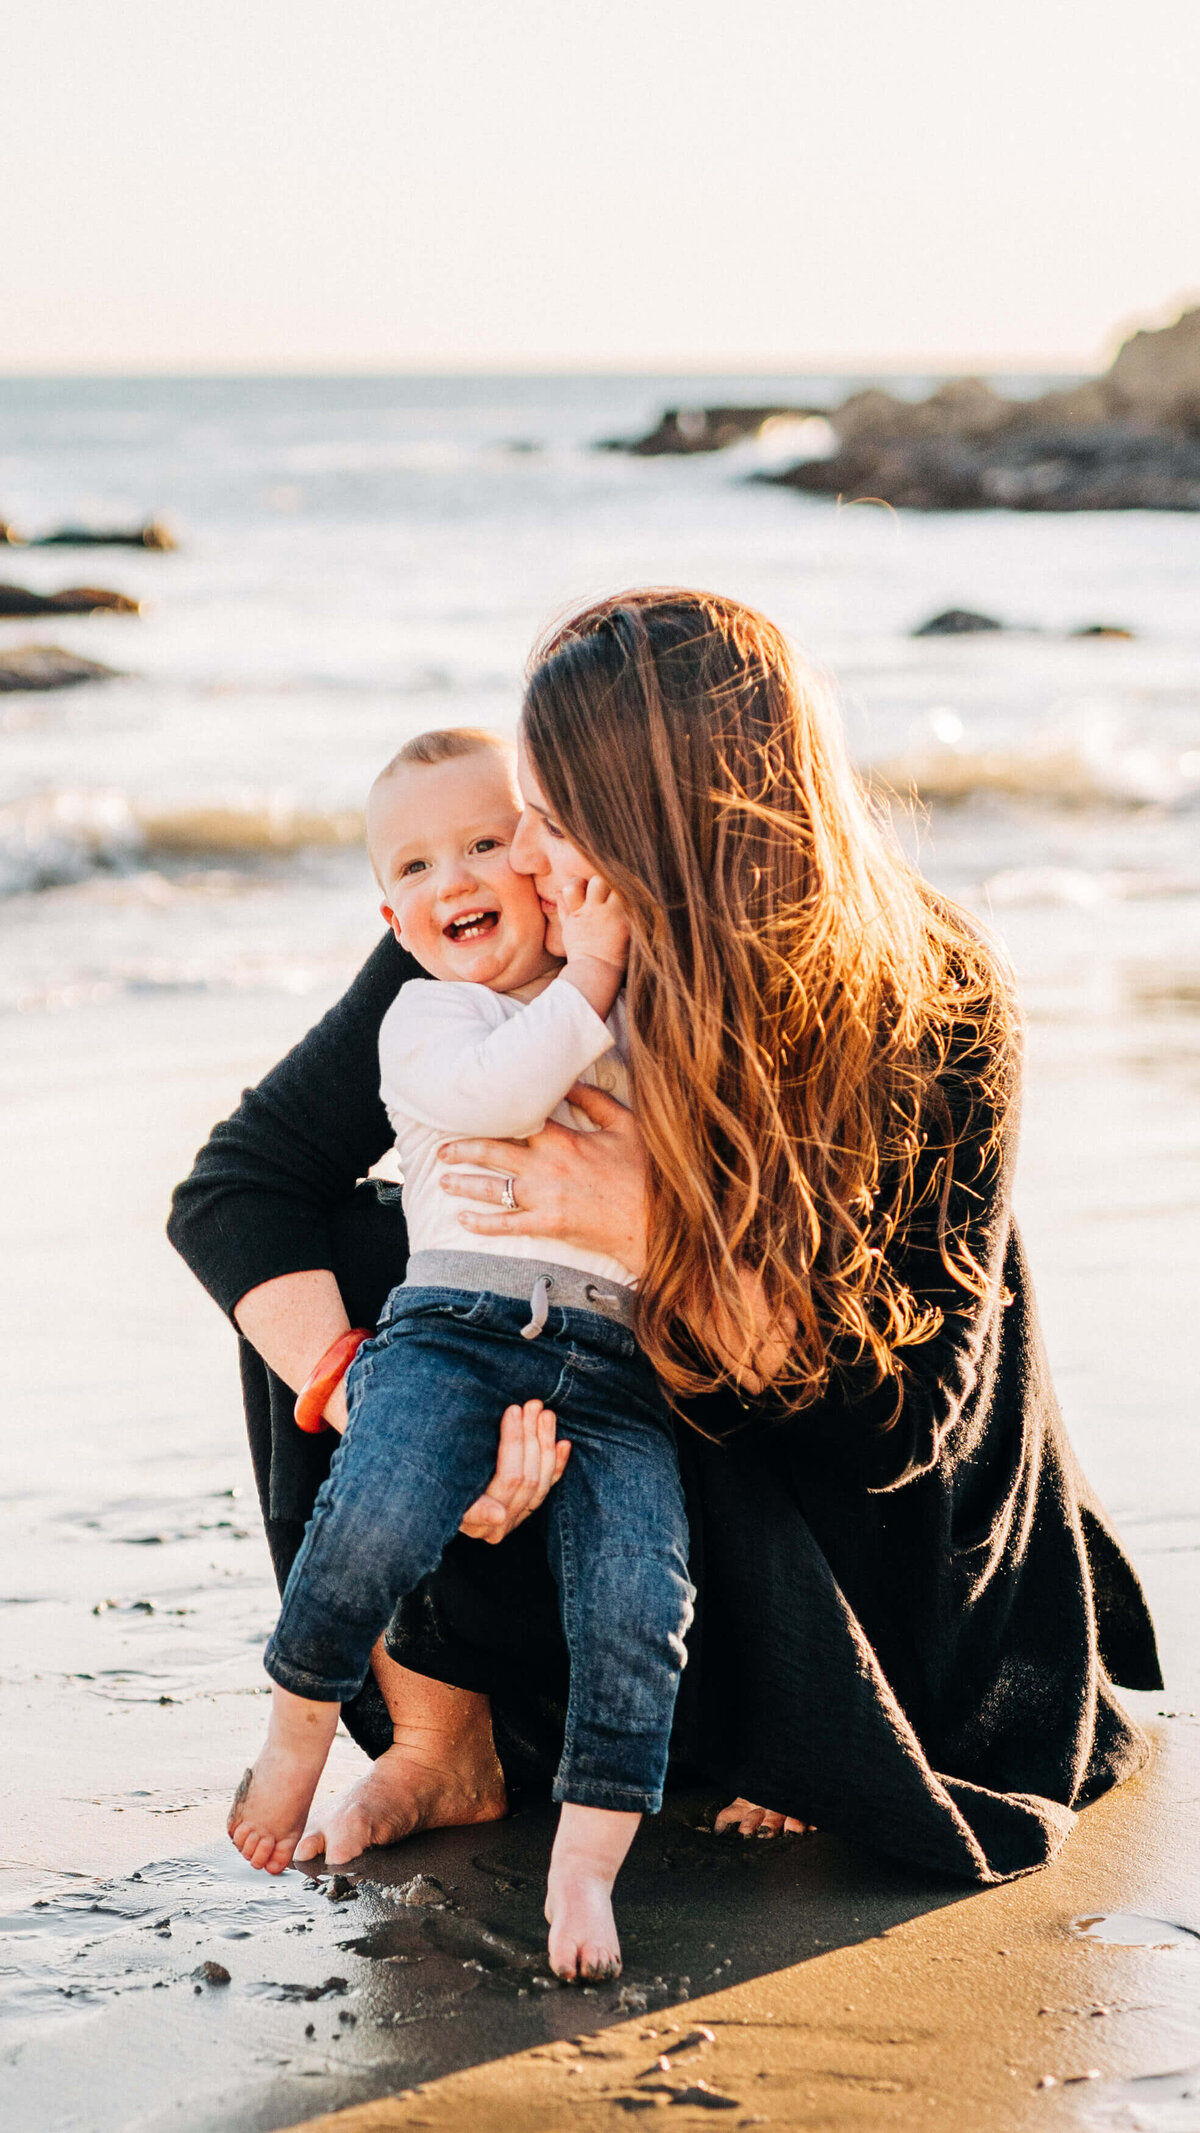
(794,992)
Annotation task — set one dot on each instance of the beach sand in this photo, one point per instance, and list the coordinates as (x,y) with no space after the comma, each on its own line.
(840,1990)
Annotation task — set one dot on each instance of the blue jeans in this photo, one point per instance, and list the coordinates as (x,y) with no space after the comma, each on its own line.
(425,1397)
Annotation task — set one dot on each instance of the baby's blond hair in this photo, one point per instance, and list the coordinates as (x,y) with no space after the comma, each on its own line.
(443,744)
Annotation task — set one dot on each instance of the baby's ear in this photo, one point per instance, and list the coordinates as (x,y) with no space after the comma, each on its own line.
(390,919)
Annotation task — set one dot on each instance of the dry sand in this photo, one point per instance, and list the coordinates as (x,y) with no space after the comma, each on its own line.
(839,1990)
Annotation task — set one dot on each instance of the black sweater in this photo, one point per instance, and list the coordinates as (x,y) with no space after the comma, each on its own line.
(907,1634)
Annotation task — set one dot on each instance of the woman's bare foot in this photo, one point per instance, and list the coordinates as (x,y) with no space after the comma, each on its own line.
(589,1850)
(755,1821)
(426,1780)
(271,1803)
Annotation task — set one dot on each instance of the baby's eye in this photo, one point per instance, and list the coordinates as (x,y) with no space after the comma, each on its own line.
(411,866)
(487,844)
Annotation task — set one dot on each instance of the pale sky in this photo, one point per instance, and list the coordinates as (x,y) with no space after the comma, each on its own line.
(638,184)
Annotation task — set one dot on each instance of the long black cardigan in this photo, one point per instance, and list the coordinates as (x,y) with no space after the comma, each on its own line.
(907,1634)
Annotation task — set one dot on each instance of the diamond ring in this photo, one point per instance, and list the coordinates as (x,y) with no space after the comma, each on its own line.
(508,1198)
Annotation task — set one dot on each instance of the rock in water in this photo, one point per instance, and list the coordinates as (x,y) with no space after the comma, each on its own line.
(957,622)
(683,430)
(154,534)
(75,600)
(46,666)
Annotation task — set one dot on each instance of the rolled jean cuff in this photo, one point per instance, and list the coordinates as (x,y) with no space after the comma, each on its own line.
(318,1688)
(601,1792)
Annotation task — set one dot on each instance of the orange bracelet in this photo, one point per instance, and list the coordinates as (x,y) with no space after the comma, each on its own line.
(313,1396)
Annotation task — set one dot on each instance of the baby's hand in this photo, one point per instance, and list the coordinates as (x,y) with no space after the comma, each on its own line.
(595,933)
(594,922)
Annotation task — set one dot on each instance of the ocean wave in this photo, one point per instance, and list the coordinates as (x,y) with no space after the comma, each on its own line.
(61,837)
(1093,761)
(1083,888)
(55,839)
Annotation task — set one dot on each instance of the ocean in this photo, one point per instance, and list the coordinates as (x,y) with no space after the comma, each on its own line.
(184,894)
(362,557)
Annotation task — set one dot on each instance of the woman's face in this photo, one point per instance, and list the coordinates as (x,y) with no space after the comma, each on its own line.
(540,848)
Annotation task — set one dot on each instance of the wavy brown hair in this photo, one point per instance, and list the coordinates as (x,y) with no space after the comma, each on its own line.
(795,990)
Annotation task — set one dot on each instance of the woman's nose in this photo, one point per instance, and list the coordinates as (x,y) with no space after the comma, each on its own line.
(524,853)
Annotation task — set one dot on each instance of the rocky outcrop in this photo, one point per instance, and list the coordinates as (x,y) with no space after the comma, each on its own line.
(1156,376)
(1117,468)
(1128,441)
(684,430)
(75,600)
(46,666)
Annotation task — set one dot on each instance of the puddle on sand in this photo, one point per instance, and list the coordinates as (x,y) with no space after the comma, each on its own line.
(1132,1929)
(1151,2103)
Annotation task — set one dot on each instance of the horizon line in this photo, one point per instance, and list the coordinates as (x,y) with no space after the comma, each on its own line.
(901,365)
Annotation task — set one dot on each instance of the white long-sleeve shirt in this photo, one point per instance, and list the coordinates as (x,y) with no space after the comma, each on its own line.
(457,1060)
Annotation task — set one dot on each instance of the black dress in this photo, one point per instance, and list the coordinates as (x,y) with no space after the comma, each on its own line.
(906,1634)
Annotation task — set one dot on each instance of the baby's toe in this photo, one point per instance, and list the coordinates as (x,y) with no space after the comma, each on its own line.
(596,1964)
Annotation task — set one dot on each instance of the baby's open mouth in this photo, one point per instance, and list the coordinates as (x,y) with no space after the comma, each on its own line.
(472,926)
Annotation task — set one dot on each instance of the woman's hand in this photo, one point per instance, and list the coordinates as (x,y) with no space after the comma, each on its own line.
(589,1189)
(528,1463)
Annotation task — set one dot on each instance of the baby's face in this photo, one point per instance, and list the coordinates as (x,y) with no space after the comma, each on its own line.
(439,837)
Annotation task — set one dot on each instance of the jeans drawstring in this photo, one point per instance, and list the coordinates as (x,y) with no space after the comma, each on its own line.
(539,1306)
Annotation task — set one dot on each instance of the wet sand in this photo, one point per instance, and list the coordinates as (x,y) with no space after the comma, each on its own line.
(839,1989)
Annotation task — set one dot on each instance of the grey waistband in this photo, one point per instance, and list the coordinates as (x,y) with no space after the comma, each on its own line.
(571,1288)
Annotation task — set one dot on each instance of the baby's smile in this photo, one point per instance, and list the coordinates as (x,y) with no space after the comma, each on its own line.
(473,926)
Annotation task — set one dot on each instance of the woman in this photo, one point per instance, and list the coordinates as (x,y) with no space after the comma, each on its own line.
(911,1608)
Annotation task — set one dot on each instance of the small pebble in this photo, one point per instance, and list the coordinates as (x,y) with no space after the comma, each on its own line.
(211,1974)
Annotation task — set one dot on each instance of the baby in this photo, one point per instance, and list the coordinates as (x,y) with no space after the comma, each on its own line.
(491,1048)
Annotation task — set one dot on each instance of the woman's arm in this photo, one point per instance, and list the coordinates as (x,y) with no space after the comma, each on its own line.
(260,1196)
(291,1321)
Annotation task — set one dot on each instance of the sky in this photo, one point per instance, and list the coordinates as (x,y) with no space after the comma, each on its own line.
(593,184)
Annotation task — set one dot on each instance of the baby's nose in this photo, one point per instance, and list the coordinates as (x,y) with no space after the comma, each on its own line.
(455,880)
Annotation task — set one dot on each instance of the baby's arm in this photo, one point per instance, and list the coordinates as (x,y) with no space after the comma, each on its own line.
(595,934)
(443,1060)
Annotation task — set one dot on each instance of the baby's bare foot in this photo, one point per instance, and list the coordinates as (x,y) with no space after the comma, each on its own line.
(752,1821)
(266,1820)
(588,1853)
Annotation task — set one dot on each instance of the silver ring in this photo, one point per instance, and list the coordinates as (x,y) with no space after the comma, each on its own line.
(508,1198)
